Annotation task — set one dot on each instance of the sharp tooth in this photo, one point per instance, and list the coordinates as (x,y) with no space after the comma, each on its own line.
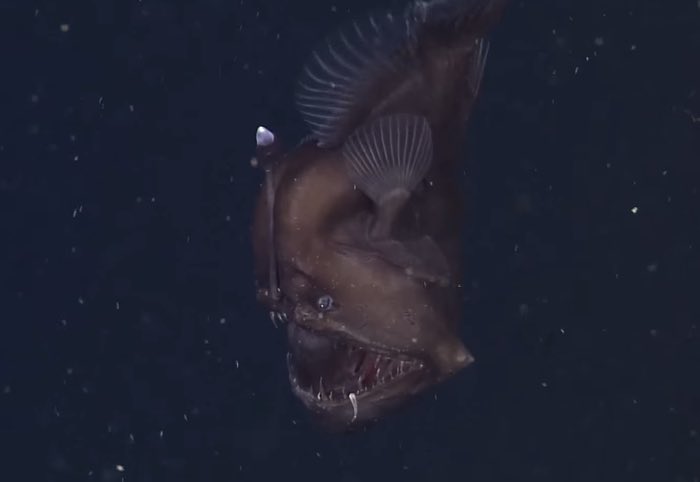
(401,364)
(320,386)
(272,318)
(353,401)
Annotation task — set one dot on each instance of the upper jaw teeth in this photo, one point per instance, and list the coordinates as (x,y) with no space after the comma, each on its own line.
(386,370)
(278,316)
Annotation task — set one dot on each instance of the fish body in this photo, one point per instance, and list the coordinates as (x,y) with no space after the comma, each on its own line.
(357,232)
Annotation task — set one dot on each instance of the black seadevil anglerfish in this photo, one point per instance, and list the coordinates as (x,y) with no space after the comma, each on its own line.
(357,232)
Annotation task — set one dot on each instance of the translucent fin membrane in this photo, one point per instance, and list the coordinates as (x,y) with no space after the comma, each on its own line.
(391,153)
(341,70)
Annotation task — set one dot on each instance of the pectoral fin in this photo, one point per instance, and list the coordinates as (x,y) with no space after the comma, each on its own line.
(386,159)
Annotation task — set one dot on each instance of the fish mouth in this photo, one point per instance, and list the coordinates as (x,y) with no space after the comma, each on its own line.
(346,381)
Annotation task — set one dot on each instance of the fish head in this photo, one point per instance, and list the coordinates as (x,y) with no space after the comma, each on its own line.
(364,335)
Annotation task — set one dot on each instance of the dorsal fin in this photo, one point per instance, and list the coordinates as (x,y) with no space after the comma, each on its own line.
(344,67)
(369,67)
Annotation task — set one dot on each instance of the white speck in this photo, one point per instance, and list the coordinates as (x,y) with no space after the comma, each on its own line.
(65,27)
(131,438)
(35,98)
(81,300)
(599,41)
(76,158)
(120,468)
(664,172)
(634,210)
(7,389)
(131,108)
(653,332)
(222,321)
(69,371)
(652,267)
(562,331)
(576,70)
(633,47)
(237,364)
(544,384)
(117,305)
(160,434)
(414,340)
(153,199)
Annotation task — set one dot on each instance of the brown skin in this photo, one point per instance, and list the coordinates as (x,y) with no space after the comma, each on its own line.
(377,304)
(321,222)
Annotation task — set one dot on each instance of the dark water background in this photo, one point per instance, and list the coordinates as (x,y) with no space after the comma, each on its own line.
(129,335)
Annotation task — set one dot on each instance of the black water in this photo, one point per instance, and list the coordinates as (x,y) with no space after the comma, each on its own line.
(131,347)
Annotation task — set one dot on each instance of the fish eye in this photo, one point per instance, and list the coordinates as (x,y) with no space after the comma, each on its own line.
(325,303)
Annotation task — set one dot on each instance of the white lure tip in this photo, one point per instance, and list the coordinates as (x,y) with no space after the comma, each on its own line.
(264,137)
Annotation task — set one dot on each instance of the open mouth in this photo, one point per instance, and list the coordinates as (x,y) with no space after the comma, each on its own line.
(325,371)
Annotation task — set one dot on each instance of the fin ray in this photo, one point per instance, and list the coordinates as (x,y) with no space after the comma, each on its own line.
(382,57)
(338,72)
(391,153)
